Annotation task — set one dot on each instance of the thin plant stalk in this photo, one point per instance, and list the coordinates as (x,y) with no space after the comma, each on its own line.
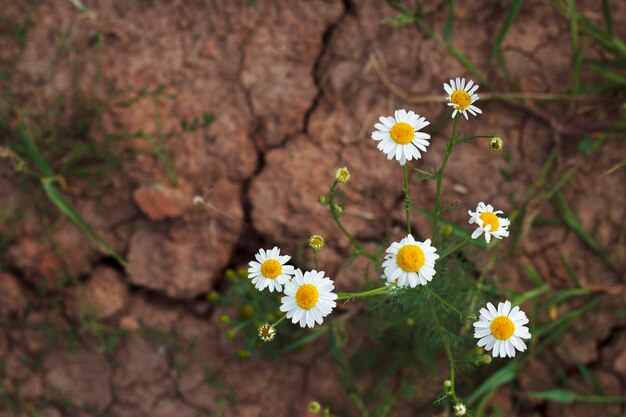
(407,198)
(447,153)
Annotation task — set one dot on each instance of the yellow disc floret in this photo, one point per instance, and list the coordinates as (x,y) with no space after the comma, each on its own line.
(402,133)
(307,296)
(271,269)
(491,220)
(502,328)
(410,258)
(461,99)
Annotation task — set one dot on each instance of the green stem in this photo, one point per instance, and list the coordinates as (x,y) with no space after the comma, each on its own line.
(448,151)
(407,199)
(454,249)
(446,347)
(335,215)
(447,304)
(317,265)
(369,293)
(279,321)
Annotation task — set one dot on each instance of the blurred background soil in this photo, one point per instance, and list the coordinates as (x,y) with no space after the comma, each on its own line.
(295,88)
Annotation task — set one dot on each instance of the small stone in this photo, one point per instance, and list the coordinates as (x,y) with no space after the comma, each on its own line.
(83,376)
(106,292)
(12,298)
(158,202)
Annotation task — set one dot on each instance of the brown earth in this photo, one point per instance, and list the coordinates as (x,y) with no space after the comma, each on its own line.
(295,88)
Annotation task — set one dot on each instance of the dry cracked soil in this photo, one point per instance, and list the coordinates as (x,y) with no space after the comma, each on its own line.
(295,87)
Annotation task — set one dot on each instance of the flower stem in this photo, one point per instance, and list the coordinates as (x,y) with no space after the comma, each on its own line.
(317,265)
(446,347)
(335,215)
(407,198)
(369,293)
(447,153)
(447,304)
(454,249)
(277,322)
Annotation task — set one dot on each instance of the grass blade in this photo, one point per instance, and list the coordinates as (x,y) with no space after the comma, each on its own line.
(55,196)
(495,381)
(557,395)
(508,22)
(608,17)
(33,152)
(559,203)
(449,26)
(602,69)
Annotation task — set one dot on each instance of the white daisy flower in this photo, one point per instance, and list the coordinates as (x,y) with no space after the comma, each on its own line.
(399,137)
(308,298)
(502,330)
(270,270)
(488,222)
(410,262)
(462,97)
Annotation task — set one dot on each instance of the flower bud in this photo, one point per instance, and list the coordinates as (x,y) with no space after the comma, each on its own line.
(342,175)
(460,410)
(315,407)
(266,332)
(212,296)
(316,242)
(496,143)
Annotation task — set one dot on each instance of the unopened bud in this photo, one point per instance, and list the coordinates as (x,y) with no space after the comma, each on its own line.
(496,143)
(460,410)
(315,407)
(342,175)
(446,229)
(212,296)
(316,242)
(247,311)
(266,332)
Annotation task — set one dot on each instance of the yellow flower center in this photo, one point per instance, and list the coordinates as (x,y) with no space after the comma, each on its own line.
(461,99)
(502,328)
(307,296)
(491,220)
(271,268)
(316,242)
(402,133)
(410,258)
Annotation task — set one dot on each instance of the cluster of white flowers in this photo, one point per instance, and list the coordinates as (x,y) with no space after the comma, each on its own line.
(308,296)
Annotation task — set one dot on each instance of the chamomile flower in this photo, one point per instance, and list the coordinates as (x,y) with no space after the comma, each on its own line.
(308,298)
(398,136)
(488,222)
(501,331)
(462,97)
(271,270)
(410,262)
(266,332)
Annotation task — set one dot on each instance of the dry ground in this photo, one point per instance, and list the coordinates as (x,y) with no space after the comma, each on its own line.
(295,88)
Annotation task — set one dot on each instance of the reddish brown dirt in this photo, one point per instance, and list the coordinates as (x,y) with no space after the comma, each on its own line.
(296,88)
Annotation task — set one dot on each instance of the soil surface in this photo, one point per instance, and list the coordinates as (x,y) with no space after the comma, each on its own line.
(295,88)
